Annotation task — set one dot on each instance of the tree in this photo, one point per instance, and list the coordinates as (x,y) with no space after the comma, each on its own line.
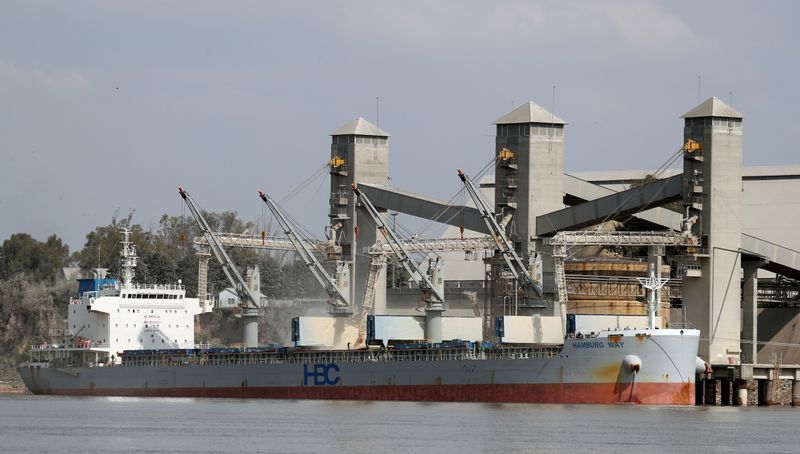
(157,267)
(299,282)
(176,236)
(22,253)
(102,247)
(186,270)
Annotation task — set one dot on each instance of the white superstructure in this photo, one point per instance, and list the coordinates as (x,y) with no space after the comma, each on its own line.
(114,316)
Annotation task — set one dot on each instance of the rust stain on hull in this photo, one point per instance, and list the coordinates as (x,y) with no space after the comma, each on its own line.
(684,395)
(607,373)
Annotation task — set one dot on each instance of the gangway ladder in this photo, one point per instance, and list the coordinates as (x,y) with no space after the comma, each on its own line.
(369,297)
(562,296)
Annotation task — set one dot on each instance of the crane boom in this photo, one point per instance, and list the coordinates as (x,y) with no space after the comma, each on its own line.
(431,293)
(513,260)
(338,299)
(247,299)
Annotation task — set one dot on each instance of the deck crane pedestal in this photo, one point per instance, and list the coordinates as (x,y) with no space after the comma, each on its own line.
(432,294)
(248,301)
(516,265)
(338,287)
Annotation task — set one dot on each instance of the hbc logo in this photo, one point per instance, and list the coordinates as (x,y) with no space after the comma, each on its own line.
(320,374)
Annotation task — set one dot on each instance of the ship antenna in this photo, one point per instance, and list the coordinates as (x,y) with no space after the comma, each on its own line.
(653,284)
(129,258)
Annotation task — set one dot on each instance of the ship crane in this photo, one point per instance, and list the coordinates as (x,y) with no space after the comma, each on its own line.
(339,300)
(432,295)
(248,301)
(498,233)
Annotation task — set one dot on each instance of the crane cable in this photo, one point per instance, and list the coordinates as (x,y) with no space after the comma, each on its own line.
(293,192)
(459,193)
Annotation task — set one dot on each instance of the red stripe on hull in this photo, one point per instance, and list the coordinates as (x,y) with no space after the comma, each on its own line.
(578,393)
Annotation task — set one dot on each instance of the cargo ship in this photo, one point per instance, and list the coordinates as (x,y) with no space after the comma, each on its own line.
(634,366)
(129,339)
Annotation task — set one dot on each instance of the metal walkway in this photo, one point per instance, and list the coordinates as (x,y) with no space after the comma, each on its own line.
(782,260)
(617,205)
(424,207)
(576,188)
(422,245)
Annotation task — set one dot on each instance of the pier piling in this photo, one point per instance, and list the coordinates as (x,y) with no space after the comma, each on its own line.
(699,389)
(725,391)
(741,393)
(710,391)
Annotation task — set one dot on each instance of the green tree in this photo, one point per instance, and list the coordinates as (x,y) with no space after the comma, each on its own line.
(186,270)
(157,267)
(176,236)
(102,247)
(23,254)
(299,282)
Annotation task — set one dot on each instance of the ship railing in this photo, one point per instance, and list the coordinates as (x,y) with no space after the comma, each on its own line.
(74,346)
(681,324)
(133,286)
(354,356)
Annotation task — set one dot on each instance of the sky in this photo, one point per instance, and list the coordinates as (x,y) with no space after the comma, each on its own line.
(109,106)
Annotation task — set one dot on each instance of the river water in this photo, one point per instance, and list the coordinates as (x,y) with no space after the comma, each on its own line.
(148,425)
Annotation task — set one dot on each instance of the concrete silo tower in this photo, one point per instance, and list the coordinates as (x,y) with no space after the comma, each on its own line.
(712,294)
(529,171)
(359,154)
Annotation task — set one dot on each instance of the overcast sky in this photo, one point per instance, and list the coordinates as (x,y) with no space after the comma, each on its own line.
(112,105)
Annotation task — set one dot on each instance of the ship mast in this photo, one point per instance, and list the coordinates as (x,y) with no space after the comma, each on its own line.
(129,258)
(653,284)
